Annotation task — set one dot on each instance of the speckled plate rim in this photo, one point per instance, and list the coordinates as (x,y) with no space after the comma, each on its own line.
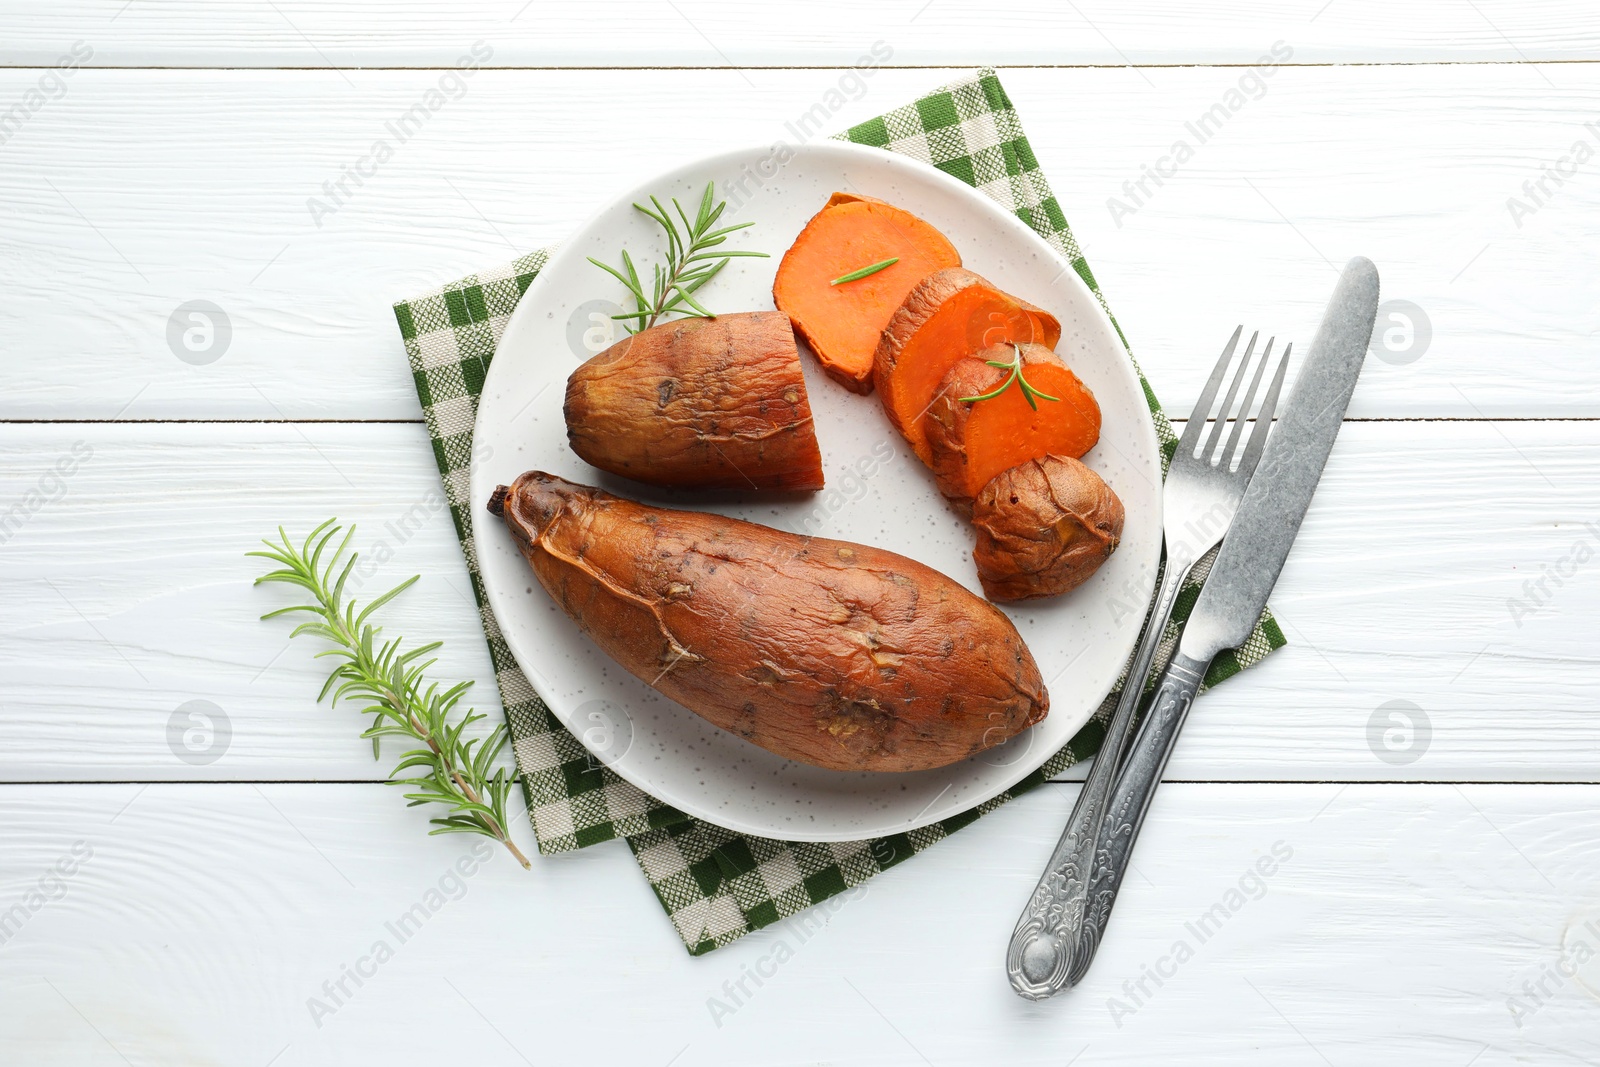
(866,812)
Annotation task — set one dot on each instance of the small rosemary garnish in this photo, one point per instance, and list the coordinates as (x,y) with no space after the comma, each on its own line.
(1015,366)
(690,263)
(882,264)
(459,771)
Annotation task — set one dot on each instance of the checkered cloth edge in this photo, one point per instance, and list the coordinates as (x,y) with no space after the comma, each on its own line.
(717,885)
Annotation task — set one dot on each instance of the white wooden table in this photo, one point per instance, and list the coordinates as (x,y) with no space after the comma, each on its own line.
(1437,904)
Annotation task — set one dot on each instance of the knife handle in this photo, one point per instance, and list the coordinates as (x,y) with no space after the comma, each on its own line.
(1130,800)
(1039,960)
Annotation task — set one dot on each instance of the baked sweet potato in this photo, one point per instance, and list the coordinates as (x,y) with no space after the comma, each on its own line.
(830,653)
(841,322)
(971,441)
(697,403)
(1044,527)
(950,315)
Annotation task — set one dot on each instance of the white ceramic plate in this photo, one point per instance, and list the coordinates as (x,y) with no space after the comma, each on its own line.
(877,493)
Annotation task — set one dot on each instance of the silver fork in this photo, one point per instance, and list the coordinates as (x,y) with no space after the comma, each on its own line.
(1057,934)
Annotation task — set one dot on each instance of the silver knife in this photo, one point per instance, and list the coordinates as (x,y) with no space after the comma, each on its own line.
(1235,593)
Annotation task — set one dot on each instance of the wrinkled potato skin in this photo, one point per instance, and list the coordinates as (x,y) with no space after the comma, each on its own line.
(699,404)
(834,654)
(1043,527)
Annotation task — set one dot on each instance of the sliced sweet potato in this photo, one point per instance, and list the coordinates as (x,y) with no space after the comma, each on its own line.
(1044,527)
(971,441)
(842,322)
(948,316)
(699,404)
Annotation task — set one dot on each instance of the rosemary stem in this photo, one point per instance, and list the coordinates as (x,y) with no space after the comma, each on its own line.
(1015,366)
(420,731)
(693,258)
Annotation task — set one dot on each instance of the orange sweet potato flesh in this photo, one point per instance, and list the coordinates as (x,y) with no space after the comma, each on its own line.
(949,315)
(826,652)
(699,404)
(970,442)
(1044,527)
(841,323)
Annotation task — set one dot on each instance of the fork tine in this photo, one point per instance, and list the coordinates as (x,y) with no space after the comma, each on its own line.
(1269,404)
(1202,407)
(1224,413)
(1244,407)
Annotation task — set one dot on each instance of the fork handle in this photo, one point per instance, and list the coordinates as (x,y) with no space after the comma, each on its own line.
(1042,958)
(1130,802)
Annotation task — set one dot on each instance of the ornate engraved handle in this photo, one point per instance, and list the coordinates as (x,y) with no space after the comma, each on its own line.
(1040,961)
(1067,915)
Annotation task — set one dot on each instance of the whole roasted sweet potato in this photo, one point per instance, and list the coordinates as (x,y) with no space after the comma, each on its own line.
(1044,527)
(696,403)
(830,653)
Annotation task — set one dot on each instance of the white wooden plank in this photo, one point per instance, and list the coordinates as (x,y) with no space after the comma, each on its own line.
(826,32)
(141,190)
(129,596)
(136,577)
(1396,925)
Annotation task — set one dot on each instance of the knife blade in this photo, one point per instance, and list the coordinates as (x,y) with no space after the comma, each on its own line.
(1275,502)
(1246,568)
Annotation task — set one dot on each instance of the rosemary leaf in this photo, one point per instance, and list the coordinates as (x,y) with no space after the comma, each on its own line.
(867,271)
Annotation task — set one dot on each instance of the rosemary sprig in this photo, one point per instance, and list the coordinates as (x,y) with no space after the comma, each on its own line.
(1015,366)
(691,263)
(459,771)
(866,272)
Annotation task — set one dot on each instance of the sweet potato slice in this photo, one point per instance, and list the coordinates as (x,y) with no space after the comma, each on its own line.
(1044,527)
(700,404)
(970,442)
(949,315)
(842,322)
(826,652)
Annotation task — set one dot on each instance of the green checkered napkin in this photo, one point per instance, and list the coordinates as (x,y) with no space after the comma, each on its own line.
(717,885)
